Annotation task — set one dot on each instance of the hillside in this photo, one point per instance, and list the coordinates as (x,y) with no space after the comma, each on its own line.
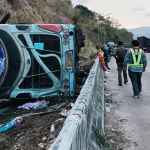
(141,31)
(27,11)
(62,11)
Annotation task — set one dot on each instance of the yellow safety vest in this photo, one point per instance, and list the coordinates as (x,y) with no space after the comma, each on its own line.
(136,63)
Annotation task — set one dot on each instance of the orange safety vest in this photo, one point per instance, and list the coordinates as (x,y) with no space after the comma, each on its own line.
(101,59)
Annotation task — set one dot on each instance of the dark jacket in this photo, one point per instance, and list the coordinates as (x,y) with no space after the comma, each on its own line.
(106,56)
(120,54)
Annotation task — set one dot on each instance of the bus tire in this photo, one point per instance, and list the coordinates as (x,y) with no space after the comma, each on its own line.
(12,64)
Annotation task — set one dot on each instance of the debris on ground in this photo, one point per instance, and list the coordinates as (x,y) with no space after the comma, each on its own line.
(57,106)
(123,120)
(41,113)
(44,139)
(107,94)
(113,128)
(65,113)
(105,84)
(71,105)
(112,141)
(61,119)
(36,125)
(4,110)
(35,105)
(42,145)
(52,128)
(13,123)
(107,116)
(107,72)
(107,109)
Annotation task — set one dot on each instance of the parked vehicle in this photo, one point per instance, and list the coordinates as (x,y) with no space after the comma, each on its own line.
(144,43)
(38,59)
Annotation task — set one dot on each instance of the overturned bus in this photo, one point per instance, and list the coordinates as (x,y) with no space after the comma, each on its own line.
(37,60)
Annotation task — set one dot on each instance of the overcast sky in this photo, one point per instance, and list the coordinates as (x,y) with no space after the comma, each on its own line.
(130,13)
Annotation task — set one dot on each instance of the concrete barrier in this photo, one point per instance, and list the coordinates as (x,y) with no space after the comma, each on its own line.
(87,114)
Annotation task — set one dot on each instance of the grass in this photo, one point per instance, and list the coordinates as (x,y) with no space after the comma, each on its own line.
(103,140)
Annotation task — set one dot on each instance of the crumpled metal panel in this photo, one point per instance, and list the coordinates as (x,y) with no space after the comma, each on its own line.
(87,114)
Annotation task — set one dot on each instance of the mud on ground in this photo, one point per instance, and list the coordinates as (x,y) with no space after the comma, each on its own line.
(34,129)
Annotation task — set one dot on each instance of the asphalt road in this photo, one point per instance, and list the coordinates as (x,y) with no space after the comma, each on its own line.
(135,112)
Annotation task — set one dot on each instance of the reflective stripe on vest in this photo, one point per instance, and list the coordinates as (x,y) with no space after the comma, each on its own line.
(136,63)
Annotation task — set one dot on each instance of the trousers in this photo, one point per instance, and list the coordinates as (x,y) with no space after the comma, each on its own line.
(136,82)
(120,70)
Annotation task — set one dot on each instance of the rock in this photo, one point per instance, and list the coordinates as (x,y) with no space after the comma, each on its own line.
(52,141)
(51,137)
(18,145)
(112,141)
(22,137)
(123,120)
(114,130)
(42,145)
(52,129)
(44,139)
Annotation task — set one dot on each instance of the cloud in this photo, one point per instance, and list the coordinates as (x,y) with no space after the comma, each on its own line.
(122,14)
(138,9)
(126,12)
(147,15)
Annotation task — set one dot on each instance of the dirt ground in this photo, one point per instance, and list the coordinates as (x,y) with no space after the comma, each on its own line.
(112,120)
(116,118)
(34,129)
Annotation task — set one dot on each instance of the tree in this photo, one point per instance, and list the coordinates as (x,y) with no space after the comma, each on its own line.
(115,22)
(84,11)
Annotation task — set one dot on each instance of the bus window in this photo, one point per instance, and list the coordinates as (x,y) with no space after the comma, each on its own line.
(69,61)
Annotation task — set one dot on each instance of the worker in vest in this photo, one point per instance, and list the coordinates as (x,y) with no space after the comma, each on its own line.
(137,62)
(101,56)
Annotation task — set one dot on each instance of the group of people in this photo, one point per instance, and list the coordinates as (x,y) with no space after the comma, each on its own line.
(104,52)
(134,59)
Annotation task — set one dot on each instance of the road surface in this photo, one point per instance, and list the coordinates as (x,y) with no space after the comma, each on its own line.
(135,113)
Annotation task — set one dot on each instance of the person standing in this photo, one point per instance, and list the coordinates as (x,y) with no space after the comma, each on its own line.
(137,62)
(106,55)
(109,50)
(119,54)
(101,57)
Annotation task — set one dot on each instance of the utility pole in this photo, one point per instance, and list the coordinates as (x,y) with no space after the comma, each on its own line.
(98,32)
(104,35)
